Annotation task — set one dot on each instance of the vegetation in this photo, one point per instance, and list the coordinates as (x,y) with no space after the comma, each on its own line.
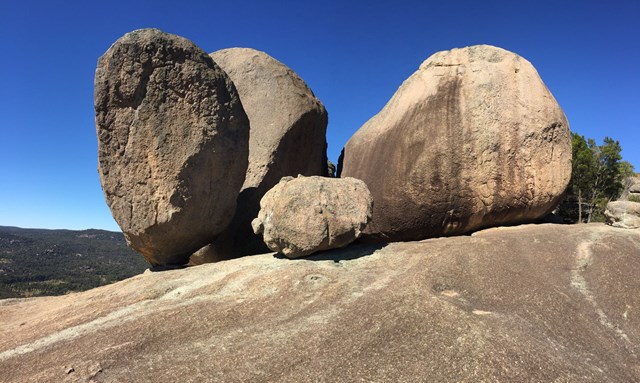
(597,177)
(331,169)
(35,262)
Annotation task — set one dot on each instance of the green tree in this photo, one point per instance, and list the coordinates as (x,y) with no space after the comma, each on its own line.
(597,173)
(608,182)
(626,170)
(582,174)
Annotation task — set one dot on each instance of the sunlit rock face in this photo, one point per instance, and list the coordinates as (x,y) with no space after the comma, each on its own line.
(301,216)
(623,214)
(172,143)
(472,139)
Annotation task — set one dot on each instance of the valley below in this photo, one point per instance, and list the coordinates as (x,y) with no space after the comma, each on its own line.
(39,262)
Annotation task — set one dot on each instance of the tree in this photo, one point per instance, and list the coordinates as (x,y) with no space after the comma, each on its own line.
(582,166)
(627,170)
(597,173)
(607,159)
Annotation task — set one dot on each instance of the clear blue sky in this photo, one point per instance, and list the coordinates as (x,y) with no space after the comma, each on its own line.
(353,54)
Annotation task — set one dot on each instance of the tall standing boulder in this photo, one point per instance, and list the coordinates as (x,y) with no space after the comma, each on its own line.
(472,139)
(172,143)
(287,138)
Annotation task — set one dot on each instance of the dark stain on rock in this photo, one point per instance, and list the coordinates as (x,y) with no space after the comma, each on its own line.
(400,158)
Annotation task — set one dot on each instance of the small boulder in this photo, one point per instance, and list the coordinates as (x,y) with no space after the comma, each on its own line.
(623,214)
(303,215)
(473,139)
(287,137)
(172,143)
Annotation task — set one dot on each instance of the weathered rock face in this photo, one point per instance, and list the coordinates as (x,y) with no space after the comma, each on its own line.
(623,214)
(631,189)
(287,138)
(538,303)
(172,143)
(472,139)
(634,185)
(303,215)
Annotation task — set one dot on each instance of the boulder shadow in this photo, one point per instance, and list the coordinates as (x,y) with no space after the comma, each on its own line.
(348,253)
(158,268)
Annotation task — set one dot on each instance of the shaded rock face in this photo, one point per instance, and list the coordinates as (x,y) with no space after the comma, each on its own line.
(623,214)
(538,303)
(472,139)
(304,215)
(172,143)
(287,138)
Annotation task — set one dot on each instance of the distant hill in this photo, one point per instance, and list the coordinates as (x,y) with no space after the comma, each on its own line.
(36,262)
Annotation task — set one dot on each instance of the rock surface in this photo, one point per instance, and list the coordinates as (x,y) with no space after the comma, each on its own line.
(623,214)
(172,143)
(287,137)
(635,188)
(304,215)
(545,303)
(472,139)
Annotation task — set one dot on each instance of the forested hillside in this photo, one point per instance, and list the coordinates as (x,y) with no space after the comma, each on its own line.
(36,262)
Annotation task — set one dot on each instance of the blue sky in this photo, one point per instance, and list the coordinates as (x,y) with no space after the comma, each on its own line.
(353,55)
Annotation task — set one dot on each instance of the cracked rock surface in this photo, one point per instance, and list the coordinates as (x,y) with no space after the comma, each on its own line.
(172,143)
(533,303)
(473,139)
(303,215)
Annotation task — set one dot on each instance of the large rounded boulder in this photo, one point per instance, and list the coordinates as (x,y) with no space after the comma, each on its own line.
(472,139)
(623,214)
(304,215)
(287,138)
(172,143)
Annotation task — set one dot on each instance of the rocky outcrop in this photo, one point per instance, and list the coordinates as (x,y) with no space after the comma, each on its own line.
(472,139)
(547,303)
(172,143)
(623,214)
(633,190)
(304,215)
(635,187)
(630,189)
(287,138)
